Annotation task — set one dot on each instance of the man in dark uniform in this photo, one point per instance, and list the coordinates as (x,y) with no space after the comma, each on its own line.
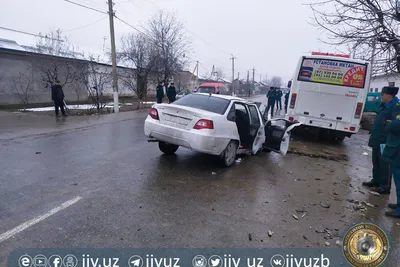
(171,93)
(160,92)
(272,95)
(279,99)
(57,95)
(381,173)
(391,154)
(287,100)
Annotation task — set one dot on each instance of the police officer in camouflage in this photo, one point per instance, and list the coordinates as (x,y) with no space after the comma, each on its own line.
(391,154)
(381,171)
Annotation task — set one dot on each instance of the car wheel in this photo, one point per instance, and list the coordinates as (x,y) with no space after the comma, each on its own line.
(168,149)
(229,155)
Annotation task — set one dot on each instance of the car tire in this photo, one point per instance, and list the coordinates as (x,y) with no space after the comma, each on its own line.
(168,149)
(228,157)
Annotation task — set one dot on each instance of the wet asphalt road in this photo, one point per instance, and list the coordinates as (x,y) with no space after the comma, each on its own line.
(130,195)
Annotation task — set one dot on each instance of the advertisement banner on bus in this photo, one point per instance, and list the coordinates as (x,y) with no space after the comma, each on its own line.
(334,72)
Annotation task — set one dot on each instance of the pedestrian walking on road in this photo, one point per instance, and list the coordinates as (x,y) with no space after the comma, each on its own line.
(160,92)
(391,154)
(57,95)
(272,95)
(171,93)
(381,172)
(287,100)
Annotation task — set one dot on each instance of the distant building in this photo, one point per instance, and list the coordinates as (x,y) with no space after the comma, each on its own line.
(379,81)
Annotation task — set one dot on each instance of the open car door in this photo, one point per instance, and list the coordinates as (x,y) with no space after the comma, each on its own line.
(257,133)
(277,135)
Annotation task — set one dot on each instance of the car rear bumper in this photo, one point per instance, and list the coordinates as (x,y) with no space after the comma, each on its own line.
(198,140)
(326,124)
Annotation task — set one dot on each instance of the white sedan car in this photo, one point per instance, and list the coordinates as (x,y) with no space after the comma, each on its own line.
(216,124)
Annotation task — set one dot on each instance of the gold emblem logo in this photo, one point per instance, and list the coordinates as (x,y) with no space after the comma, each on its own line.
(365,245)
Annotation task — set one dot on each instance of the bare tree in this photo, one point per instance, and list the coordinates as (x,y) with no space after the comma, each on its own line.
(139,50)
(217,75)
(276,81)
(96,79)
(59,66)
(168,35)
(368,28)
(23,84)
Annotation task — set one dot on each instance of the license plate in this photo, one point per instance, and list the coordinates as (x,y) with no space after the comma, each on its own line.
(177,120)
(320,123)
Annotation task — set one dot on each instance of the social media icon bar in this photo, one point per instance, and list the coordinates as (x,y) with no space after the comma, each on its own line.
(199,261)
(25,261)
(215,261)
(55,261)
(277,261)
(135,261)
(70,261)
(40,261)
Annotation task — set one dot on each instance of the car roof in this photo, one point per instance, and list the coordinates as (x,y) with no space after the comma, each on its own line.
(212,84)
(228,97)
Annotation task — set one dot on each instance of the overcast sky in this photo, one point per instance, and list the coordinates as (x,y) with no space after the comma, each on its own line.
(269,35)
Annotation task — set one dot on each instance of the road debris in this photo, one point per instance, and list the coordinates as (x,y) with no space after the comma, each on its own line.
(326,206)
(294,216)
(305,237)
(302,216)
(365,154)
(374,193)
(370,205)
(327,244)
(318,179)
(250,237)
(213,173)
(290,172)
(239,160)
(398,224)
(270,233)
(38,153)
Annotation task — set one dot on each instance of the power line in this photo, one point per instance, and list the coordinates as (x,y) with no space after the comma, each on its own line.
(28,33)
(91,8)
(133,3)
(90,24)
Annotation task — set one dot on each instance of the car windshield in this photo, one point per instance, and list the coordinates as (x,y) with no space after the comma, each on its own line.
(207,90)
(203,102)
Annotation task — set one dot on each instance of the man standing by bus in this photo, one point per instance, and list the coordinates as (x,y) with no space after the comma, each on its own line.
(391,154)
(279,99)
(381,173)
(272,96)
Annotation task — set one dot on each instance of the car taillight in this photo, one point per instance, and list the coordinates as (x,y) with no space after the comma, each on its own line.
(204,124)
(154,113)
(352,129)
(293,100)
(358,110)
(291,118)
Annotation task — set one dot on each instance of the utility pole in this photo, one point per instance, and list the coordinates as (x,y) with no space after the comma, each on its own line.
(114,55)
(248,77)
(254,72)
(233,73)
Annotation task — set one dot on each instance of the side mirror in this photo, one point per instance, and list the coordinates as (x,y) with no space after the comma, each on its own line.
(289,84)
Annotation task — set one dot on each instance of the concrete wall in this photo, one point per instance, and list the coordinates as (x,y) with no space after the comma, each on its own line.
(23,68)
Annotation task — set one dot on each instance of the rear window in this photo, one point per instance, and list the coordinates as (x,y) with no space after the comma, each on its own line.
(334,72)
(207,90)
(203,102)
